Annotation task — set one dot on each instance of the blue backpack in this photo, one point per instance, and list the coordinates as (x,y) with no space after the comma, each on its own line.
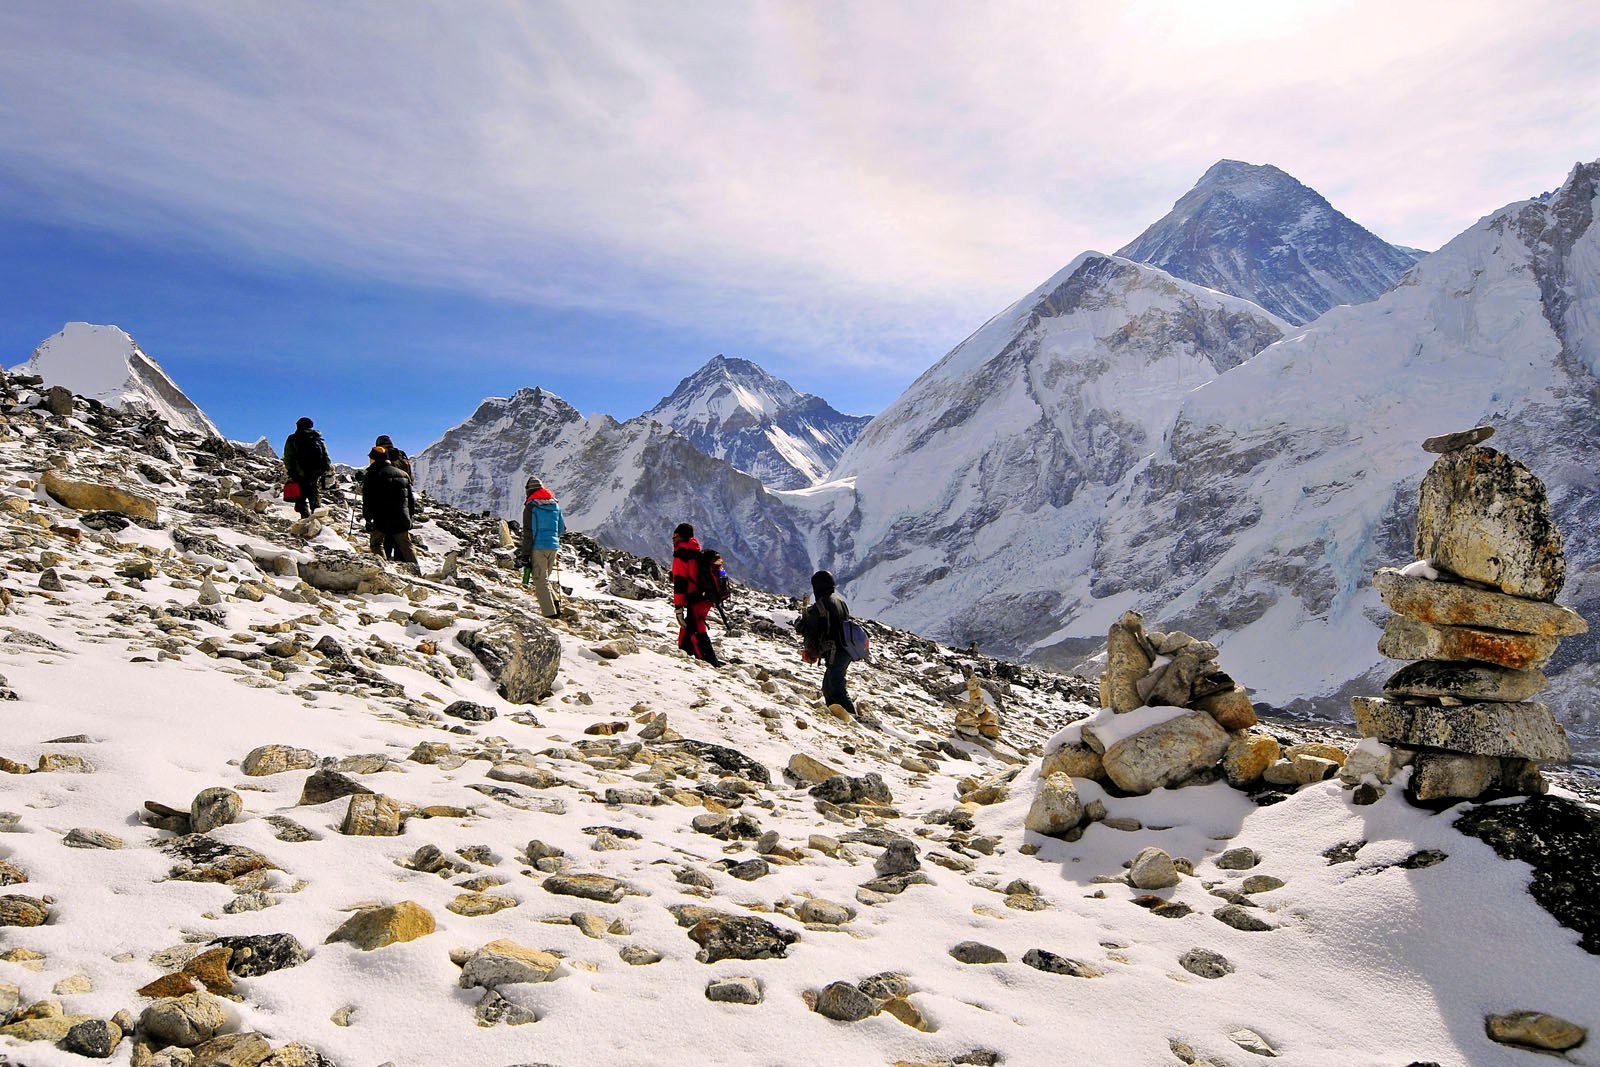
(857,645)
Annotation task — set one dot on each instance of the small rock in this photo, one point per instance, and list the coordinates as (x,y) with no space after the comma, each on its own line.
(1536,1030)
(371,815)
(1261,883)
(94,1038)
(586,886)
(1241,918)
(233,1050)
(1153,869)
(258,954)
(212,808)
(740,937)
(825,912)
(1043,960)
(844,1002)
(328,784)
(275,759)
(18,910)
(506,962)
(734,990)
(1056,807)
(900,857)
(1238,859)
(976,952)
(638,955)
(1205,963)
(185,1021)
(374,928)
(1251,1041)
(82,837)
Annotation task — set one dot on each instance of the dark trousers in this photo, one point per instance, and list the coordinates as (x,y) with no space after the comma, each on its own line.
(833,690)
(310,495)
(395,546)
(695,638)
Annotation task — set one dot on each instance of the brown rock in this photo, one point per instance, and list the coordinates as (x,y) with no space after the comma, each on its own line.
(1248,757)
(1128,659)
(1406,638)
(1456,604)
(1535,1029)
(1449,442)
(375,928)
(1232,709)
(92,496)
(210,969)
(1076,760)
(233,1050)
(371,815)
(168,985)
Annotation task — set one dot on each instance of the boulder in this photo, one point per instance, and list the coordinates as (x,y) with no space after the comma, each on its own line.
(339,572)
(184,1021)
(1056,808)
(1166,753)
(1463,681)
(506,962)
(1231,708)
(1443,603)
(1484,516)
(1247,758)
(1076,760)
(740,937)
(275,759)
(214,807)
(520,653)
(1408,638)
(1128,659)
(1445,776)
(1535,1030)
(371,815)
(92,496)
(389,924)
(1527,730)
(1153,869)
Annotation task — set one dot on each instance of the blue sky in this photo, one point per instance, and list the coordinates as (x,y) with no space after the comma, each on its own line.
(379,213)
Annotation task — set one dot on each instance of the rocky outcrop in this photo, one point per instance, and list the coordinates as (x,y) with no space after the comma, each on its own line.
(85,495)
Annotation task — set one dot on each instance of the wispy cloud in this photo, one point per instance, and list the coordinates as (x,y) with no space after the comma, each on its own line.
(851,180)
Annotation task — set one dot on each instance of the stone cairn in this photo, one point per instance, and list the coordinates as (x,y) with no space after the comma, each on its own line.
(1206,736)
(1478,617)
(976,717)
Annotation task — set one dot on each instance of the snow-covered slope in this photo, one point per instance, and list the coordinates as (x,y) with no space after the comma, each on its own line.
(735,411)
(1256,232)
(105,364)
(1286,481)
(150,660)
(626,483)
(968,506)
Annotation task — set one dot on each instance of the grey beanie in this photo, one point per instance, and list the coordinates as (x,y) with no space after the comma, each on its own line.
(532,484)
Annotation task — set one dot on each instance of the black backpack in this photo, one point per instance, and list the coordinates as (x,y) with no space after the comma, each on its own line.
(712,576)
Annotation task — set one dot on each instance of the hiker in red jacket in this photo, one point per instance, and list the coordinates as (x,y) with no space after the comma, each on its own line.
(690,602)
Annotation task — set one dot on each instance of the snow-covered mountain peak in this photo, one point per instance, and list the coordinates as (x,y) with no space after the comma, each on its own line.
(1257,232)
(734,410)
(105,364)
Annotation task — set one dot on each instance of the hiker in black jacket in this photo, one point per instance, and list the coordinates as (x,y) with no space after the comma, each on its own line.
(822,628)
(386,507)
(398,458)
(305,459)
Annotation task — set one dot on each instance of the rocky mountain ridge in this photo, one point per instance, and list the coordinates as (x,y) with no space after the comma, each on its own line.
(733,410)
(1257,233)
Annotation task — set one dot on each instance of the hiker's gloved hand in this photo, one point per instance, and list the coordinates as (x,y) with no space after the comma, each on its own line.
(681,617)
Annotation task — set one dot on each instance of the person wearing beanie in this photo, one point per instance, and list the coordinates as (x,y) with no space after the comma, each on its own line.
(540,540)
(690,603)
(386,507)
(822,629)
(305,461)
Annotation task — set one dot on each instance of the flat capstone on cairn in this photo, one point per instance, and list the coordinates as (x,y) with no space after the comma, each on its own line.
(1477,616)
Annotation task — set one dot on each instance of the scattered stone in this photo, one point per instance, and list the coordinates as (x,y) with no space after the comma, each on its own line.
(900,857)
(371,815)
(1076,760)
(469,711)
(1261,883)
(807,769)
(258,954)
(734,990)
(638,955)
(1205,963)
(94,1038)
(389,924)
(1560,839)
(1240,859)
(587,886)
(1251,1041)
(185,1021)
(844,1002)
(1162,907)
(1247,758)
(493,1009)
(82,837)
(976,952)
(473,905)
(506,962)
(824,912)
(275,759)
(1153,869)
(1241,918)
(327,784)
(92,496)
(212,808)
(740,937)
(1043,960)
(1535,1030)
(1056,808)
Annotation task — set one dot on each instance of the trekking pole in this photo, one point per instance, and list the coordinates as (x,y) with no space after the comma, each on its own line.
(527,575)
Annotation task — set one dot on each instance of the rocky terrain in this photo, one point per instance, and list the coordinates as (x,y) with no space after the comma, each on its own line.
(266,801)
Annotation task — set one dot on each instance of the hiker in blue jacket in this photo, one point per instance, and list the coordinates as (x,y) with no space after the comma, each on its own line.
(542,527)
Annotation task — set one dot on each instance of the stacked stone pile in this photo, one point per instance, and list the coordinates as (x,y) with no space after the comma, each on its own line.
(1171,716)
(1478,618)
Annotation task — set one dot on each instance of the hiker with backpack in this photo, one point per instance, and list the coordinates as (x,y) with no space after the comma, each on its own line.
(540,540)
(832,636)
(398,458)
(305,460)
(386,507)
(694,593)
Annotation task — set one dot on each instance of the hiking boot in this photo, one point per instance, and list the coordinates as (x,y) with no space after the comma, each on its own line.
(840,712)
